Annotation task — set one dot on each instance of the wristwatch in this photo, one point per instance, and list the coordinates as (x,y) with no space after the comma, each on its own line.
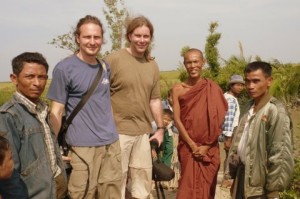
(160,127)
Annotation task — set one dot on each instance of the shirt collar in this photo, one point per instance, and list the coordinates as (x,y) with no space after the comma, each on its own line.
(32,107)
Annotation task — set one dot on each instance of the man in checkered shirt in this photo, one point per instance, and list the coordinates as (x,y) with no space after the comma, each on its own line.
(236,86)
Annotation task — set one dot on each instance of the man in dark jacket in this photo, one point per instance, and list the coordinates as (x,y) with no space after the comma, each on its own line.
(38,171)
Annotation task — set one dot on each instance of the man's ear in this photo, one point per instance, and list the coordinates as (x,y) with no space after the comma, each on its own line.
(129,37)
(270,80)
(14,79)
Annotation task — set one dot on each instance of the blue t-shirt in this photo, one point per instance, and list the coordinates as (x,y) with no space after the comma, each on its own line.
(94,124)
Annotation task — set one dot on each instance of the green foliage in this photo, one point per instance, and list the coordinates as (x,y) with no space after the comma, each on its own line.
(211,51)
(183,50)
(167,80)
(286,82)
(294,189)
(7,89)
(65,41)
(183,75)
(234,65)
(116,15)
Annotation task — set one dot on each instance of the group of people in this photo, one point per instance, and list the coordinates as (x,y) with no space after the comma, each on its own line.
(109,139)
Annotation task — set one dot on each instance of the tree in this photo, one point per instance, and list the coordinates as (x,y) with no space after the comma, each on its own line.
(183,75)
(211,51)
(115,14)
(65,41)
(234,65)
(286,82)
(184,50)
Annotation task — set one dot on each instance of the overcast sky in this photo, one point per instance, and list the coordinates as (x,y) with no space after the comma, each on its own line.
(268,28)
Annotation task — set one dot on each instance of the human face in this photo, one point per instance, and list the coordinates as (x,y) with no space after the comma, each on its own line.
(90,40)
(140,40)
(166,119)
(7,167)
(257,84)
(237,88)
(193,62)
(31,81)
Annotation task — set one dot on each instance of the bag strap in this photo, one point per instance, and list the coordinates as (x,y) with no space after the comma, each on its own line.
(87,95)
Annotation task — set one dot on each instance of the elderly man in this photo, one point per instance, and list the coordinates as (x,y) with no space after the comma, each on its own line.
(199,111)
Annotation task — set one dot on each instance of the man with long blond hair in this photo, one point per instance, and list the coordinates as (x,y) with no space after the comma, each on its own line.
(136,100)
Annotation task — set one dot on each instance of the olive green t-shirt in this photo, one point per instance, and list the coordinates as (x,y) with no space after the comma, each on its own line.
(134,82)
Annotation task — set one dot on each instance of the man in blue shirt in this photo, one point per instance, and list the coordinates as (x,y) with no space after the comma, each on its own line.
(95,149)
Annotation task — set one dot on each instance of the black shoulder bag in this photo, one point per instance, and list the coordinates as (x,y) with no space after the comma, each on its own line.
(68,121)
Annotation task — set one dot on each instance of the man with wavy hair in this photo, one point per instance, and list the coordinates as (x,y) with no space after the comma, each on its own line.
(135,95)
(92,135)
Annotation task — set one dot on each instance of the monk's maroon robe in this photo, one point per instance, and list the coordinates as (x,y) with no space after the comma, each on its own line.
(202,112)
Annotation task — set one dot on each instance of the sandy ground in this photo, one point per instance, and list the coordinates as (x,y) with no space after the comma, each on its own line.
(221,193)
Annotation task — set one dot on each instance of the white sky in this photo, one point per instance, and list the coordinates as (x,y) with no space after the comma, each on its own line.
(268,28)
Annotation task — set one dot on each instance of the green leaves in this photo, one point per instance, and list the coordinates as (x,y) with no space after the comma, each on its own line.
(211,51)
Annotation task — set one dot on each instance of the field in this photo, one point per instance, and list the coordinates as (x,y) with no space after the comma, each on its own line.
(167,80)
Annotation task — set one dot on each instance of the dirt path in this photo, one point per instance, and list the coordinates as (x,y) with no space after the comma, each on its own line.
(221,193)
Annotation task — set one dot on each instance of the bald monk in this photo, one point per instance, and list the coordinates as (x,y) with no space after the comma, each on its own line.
(199,111)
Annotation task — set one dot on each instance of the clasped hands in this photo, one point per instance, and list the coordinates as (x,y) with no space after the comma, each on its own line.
(199,152)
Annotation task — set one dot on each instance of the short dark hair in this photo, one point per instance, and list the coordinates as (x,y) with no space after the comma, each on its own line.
(4,146)
(254,66)
(28,57)
(168,112)
(192,50)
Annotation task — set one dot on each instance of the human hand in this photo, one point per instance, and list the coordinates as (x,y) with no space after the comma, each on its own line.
(66,158)
(201,150)
(153,154)
(158,135)
(227,143)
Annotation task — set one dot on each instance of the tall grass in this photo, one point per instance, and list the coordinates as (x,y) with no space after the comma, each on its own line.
(167,80)
(7,89)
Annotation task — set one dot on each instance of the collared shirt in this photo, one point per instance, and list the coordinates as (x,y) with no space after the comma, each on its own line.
(232,115)
(244,139)
(41,111)
(166,105)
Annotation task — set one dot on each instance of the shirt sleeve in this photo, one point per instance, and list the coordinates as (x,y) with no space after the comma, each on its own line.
(155,93)
(280,163)
(58,88)
(11,129)
(229,118)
